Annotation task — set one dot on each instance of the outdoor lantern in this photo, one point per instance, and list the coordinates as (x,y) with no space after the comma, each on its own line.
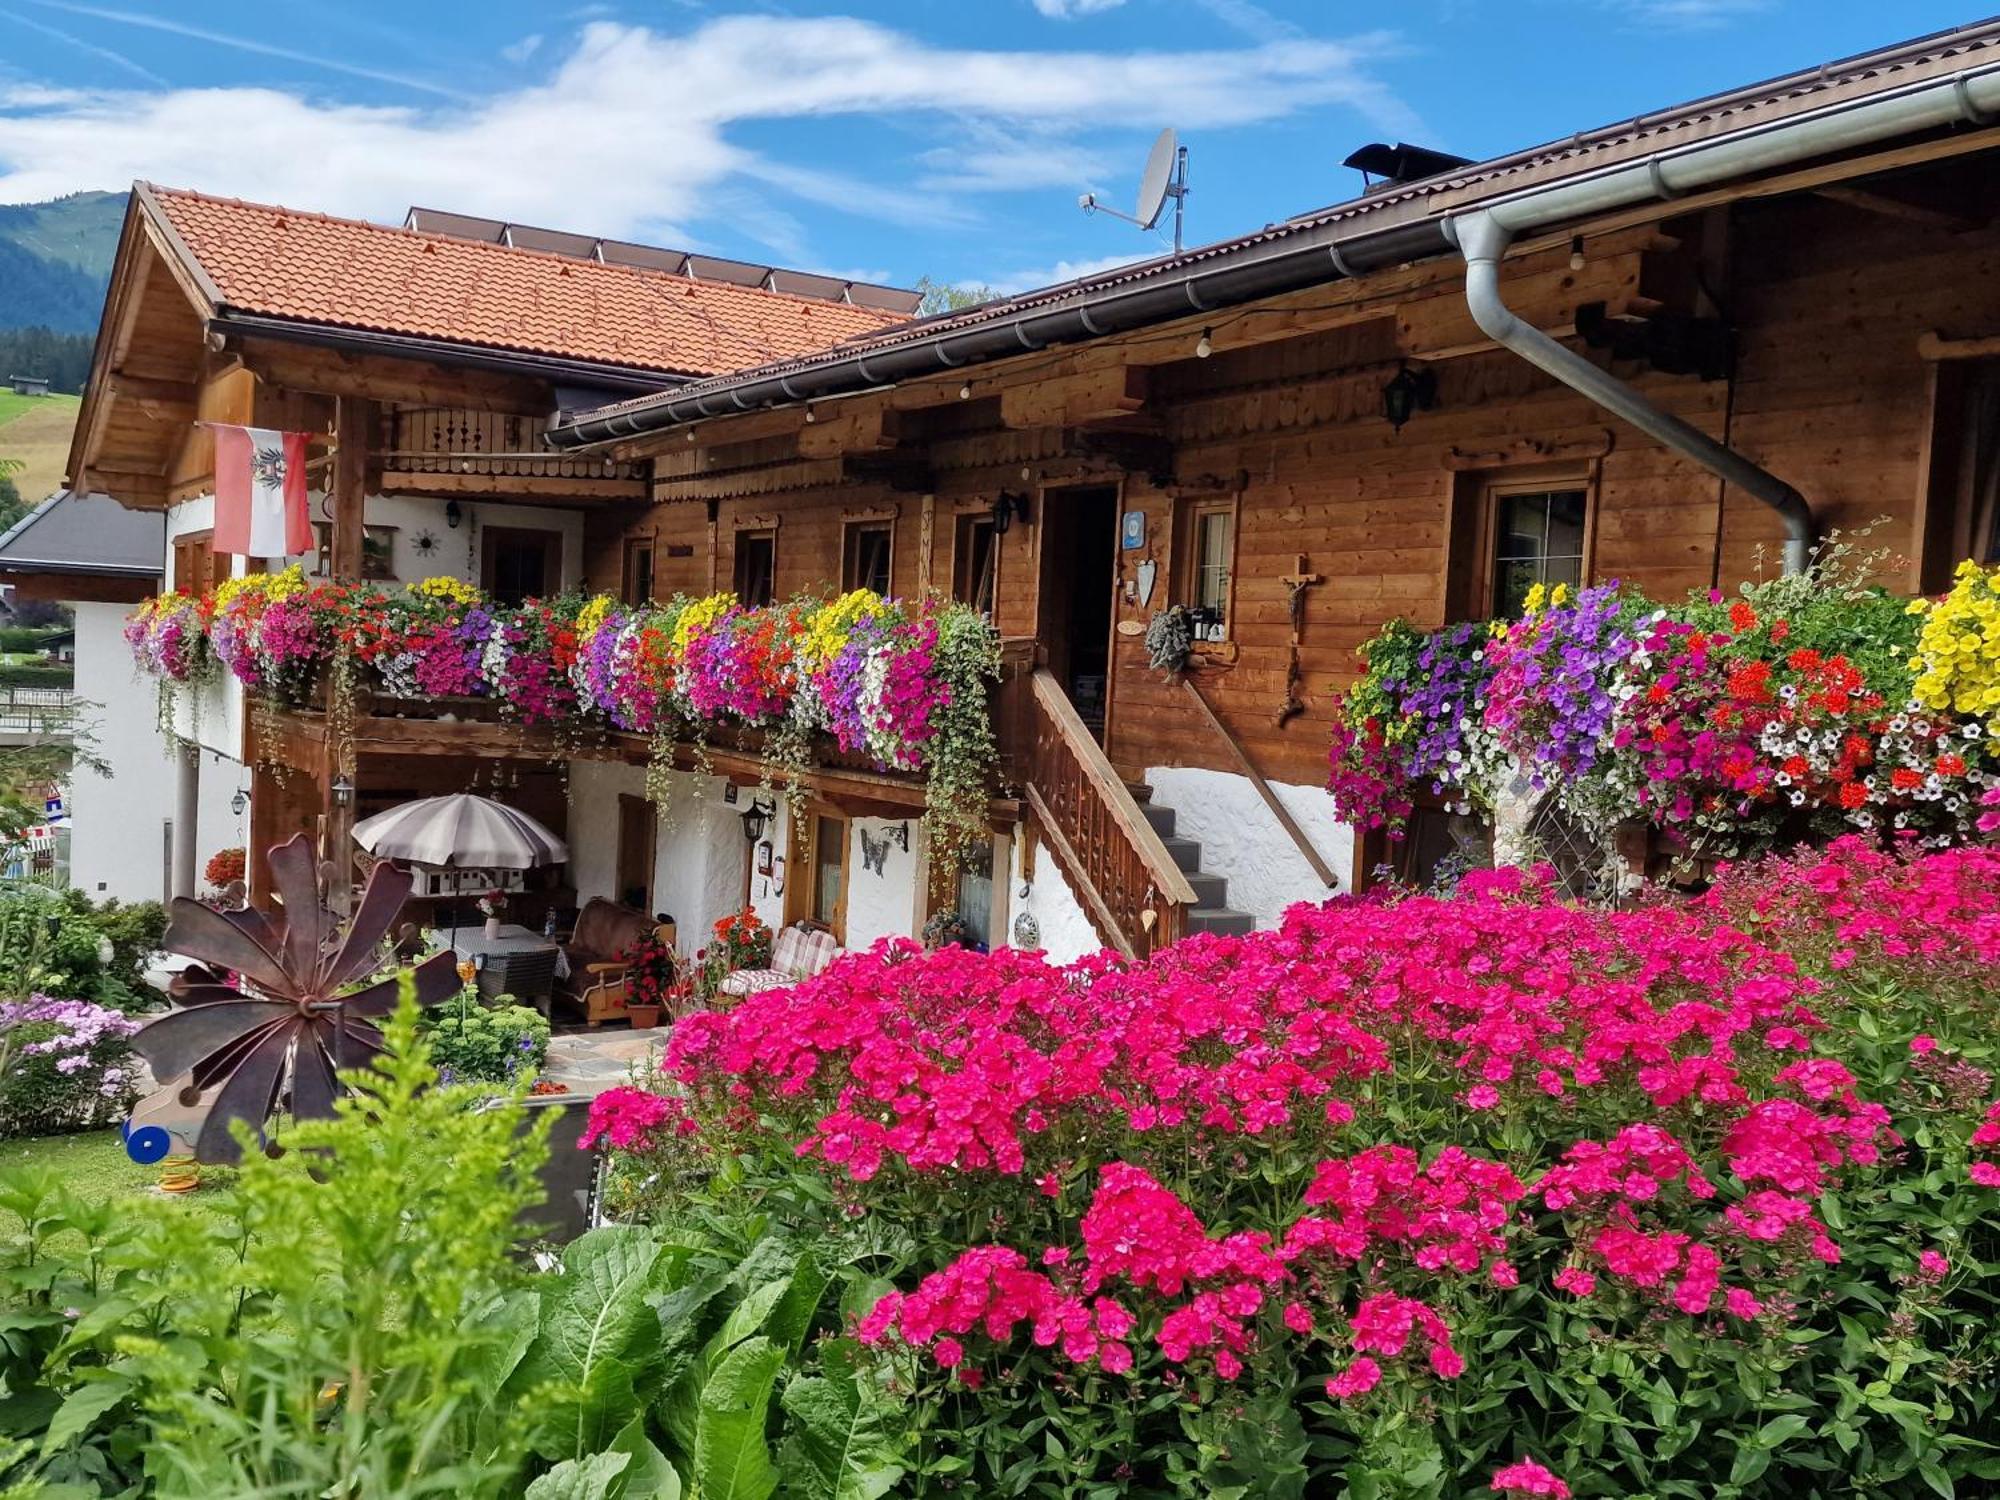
(1006,508)
(755,817)
(452,514)
(343,791)
(1411,391)
(238,802)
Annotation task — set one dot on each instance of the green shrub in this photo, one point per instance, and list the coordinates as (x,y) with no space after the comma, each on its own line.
(27,637)
(38,674)
(52,943)
(474,1043)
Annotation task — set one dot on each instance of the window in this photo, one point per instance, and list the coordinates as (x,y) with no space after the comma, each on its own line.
(1962,517)
(1538,537)
(378,550)
(829,875)
(196,567)
(637,841)
(974,902)
(637,587)
(519,564)
(756,567)
(865,554)
(975,562)
(1214,561)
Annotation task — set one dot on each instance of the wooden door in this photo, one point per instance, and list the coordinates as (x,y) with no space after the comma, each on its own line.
(1079,578)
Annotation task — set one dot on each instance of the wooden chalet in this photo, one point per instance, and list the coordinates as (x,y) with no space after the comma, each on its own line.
(1673,351)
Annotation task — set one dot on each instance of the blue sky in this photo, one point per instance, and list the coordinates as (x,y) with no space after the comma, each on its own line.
(875,138)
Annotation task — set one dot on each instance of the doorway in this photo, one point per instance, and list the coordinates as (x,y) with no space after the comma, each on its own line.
(1078,576)
(637,836)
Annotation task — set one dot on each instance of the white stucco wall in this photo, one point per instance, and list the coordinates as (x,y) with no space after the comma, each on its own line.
(699,853)
(119,822)
(1244,843)
(882,905)
(1066,933)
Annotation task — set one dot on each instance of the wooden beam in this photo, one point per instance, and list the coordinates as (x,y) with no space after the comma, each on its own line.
(874,427)
(131,487)
(353,434)
(1869,201)
(390,378)
(511,486)
(162,400)
(1935,346)
(88,588)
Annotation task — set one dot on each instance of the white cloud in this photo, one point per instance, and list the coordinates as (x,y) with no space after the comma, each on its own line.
(1069,10)
(643,117)
(1689,15)
(521,51)
(1065,270)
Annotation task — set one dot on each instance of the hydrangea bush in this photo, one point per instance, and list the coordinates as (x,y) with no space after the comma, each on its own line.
(1408,1197)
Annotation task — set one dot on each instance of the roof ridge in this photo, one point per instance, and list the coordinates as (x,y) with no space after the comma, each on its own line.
(648,274)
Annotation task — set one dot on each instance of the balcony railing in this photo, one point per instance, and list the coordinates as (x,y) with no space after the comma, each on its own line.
(46,712)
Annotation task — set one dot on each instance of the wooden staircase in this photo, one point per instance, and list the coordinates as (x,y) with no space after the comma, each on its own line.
(1211,911)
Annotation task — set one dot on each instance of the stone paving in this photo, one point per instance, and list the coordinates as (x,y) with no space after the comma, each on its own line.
(592,1061)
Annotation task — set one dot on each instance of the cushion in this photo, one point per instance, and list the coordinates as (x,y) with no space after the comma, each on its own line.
(803,952)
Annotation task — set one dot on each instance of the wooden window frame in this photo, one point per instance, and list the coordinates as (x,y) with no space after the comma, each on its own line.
(963,526)
(630,806)
(628,581)
(1187,548)
(752,534)
(1945,514)
(802,894)
(187,547)
(552,540)
(1474,547)
(851,532)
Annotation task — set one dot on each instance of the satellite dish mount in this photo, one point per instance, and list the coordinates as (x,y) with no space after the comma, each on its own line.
(1165,177)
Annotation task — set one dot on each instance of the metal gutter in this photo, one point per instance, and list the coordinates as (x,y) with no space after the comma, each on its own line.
(1311,258)
(1483,233)
(553,367)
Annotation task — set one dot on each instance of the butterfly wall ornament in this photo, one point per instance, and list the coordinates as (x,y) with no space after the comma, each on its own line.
(264,1018)
(874,853)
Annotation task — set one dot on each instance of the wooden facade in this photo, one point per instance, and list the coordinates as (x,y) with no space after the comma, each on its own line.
(1839,304)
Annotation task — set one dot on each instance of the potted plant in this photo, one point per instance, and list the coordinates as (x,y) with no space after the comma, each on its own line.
(652,979)
(492,906)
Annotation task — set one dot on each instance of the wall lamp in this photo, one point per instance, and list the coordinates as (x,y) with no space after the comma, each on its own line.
(453,514)
(1408,392)
(756,817)
(238,802)
(343,791)
(1008,508)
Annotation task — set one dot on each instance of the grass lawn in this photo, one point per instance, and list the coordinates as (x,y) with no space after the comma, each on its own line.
(96,1167)
(36,430)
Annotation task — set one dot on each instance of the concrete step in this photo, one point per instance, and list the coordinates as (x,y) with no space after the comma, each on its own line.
(1209,890)
(1162,818)
(1184,852)
(1220,919)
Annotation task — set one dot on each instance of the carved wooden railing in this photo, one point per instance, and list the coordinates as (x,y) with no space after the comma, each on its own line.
(1134,893)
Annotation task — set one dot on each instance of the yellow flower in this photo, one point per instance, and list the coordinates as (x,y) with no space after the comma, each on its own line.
(447,591)
(831,624)
(260,588)
(1958,647)
(592,615)
(1559,596)
(699,615)
(1537,596)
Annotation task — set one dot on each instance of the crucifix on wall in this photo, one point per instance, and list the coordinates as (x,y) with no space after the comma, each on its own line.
(1296,583)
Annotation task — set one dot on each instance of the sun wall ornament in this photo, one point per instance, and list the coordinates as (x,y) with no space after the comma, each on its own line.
(426,544)
(275,1036)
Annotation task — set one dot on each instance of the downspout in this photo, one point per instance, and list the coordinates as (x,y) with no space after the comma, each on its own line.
(1483,241)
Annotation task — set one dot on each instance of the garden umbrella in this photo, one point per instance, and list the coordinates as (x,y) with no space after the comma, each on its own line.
(461,831)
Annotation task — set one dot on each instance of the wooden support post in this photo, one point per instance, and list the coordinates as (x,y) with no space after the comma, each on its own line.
(354,421)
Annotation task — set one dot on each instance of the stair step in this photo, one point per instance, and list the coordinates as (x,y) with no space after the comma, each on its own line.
(1162,818)
(1221,920)
(1185,852)
(1209,890)
(1141,792)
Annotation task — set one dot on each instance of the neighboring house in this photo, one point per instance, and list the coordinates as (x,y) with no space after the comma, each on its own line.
(1672,351)
(97,557)
(28,385)
(430,359)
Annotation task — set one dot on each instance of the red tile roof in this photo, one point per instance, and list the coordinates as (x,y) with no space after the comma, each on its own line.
(350,274)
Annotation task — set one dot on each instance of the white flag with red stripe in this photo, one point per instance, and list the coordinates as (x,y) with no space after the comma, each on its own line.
(260,492)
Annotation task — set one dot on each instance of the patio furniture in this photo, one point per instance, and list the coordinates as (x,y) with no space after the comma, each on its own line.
(800,952)
(518,962)
(595,956)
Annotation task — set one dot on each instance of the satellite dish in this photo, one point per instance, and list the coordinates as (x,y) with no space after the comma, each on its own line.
(1165,177)
(1154,181)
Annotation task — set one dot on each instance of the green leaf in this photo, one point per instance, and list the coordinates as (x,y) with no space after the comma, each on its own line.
(82,1407)
(598,1339)
(843,1442)
(581,1479)
(731,1459)
(650,1476)
(792,1318)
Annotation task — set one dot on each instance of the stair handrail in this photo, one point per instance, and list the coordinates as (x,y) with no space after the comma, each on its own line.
(1264,788)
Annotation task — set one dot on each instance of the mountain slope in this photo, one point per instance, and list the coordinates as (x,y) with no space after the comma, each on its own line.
(55,260)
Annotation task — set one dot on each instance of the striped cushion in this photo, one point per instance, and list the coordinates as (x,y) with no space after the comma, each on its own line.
(799,953)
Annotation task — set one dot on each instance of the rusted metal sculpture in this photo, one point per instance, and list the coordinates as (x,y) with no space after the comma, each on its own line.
(237,1051)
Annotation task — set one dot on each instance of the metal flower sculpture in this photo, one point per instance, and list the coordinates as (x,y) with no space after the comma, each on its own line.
(280,1033)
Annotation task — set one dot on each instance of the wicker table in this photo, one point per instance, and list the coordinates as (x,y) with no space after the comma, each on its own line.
(517,962)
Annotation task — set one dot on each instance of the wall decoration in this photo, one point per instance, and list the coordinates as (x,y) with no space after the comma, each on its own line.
(1132,533)
(874,854)
(425,544)
(378,551)
(1027,931)
(1149,572)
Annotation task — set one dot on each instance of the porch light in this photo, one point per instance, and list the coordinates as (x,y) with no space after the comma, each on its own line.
(1409,392)
(1204,346)
(343,791)
(238,802)
(756,817)
(452,514)
(1007,508)
(965,391)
